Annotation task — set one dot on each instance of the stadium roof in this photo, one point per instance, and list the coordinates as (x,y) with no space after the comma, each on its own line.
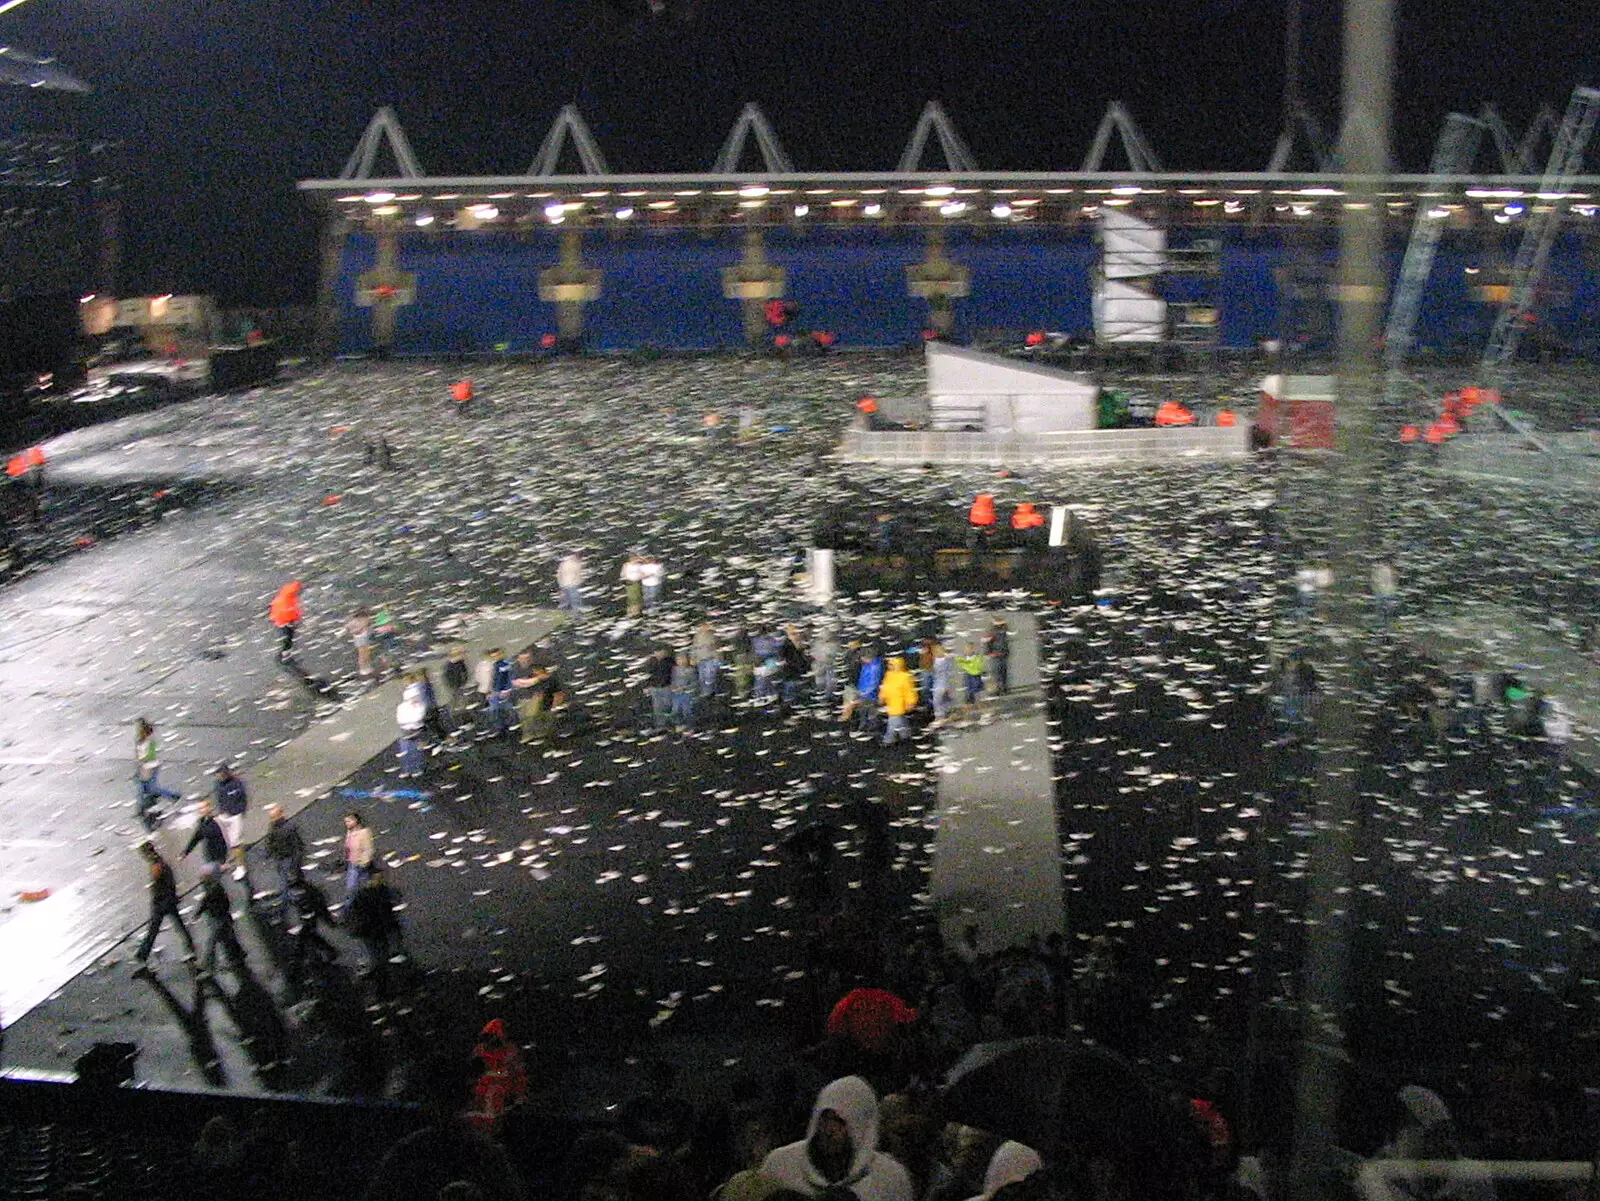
(21,69)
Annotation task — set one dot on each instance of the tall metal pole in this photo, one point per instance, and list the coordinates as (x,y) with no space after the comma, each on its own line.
(1291,62)
(1367,104)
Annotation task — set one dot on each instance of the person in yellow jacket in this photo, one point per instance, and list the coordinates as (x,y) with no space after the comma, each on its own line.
(898,696)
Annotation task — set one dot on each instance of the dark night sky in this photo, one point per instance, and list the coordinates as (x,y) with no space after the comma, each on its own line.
(224,104)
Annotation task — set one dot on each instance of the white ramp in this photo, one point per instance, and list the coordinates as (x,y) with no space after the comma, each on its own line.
(997,853)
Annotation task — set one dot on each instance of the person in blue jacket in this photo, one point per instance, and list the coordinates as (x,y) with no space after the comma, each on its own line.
(868,679)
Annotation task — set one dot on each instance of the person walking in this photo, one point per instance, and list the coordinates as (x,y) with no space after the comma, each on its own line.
(525,680)
(163,887)
(503,1081)
(898,696)
(360,627)
(1385,592)
(373,922)
(231,800)
(658,686)
(997,650)
(286,850)
(706,662)
(971,664)
(217,910)
(633,585)
(742,652)
(684,684)
(309,908)
(569,579)
(499,692)
(360,853)
(432,715)
(652,576)
(940,680)
(455,677)
(410,715)
(869,678)
(147,773)
(209,837)
(285,614)
(386,638)
(825,665)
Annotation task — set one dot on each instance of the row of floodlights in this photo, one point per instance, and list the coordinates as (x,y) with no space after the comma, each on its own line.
(1303,202)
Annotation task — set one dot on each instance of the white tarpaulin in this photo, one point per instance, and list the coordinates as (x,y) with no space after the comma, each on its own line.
(1124,313)
(969,389)
(1130,248)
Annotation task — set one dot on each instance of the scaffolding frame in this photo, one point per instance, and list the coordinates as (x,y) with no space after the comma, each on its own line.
(1141,156)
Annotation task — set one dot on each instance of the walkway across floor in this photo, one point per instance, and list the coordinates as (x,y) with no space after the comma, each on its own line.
(997,853)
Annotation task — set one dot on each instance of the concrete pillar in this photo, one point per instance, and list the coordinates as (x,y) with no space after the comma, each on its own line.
(938,281)
(753,282)
(330,252)
(820,568)
(570,286)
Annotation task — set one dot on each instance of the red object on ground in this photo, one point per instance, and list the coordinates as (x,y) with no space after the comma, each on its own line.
(868,404)
(869,1016)
(285,608)
(781,341)
(1026,517)
(982,511)
(17,465)
(1035,339)
(86,540)
(38,894)
(1409,434)
(1173,413)
(1226,418)
(332,498)
(548,341)
(35,456)
(1436,434)
(461,391)
(930,335)
(825,337)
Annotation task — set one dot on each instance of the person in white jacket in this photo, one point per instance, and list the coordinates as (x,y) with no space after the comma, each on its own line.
(1011,1164)
(841,1149)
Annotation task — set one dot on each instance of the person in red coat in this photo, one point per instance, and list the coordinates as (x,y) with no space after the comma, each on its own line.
(504,1079)
(285,614)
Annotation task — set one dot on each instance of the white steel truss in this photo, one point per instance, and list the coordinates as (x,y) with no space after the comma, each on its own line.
(936,121)
(1453,154)
(384,126)
(1299,120)
(569,125)
(1141,158)
(1533,253)
(752,120)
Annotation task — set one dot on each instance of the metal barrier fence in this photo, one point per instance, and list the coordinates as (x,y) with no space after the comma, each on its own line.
(1385,1179)
(1071,446)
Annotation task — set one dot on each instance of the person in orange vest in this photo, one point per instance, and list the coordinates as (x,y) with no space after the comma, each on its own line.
(461,396)
(980,519)
(1173,413)
(285,614)
(1409,434)
(867,407)
(1226,418)
(1026,517)
(1452,427)
(17,466)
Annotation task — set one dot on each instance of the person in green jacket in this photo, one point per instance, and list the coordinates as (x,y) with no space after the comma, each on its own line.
(971,664)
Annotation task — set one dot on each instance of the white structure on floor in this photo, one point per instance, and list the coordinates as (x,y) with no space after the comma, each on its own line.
(993,394)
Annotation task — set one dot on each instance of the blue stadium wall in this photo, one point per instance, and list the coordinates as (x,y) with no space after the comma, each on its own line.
(479,291)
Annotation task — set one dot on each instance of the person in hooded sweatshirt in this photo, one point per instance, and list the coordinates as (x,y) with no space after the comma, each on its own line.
(840,1149)
(1011,1164)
